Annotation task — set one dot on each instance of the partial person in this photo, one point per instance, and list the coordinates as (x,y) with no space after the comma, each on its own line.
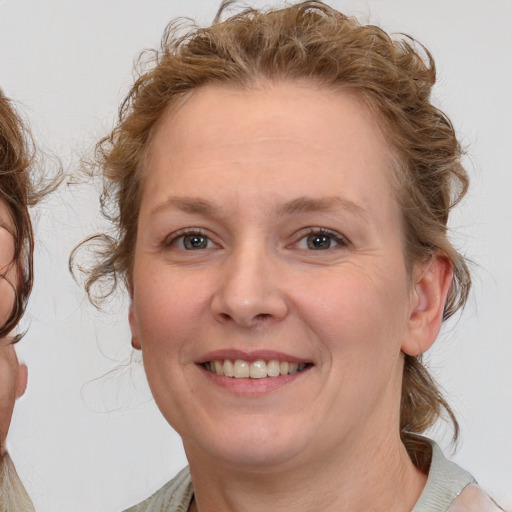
(283,185)
(17,193)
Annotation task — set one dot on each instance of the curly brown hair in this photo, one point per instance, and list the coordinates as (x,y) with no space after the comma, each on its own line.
(20,188)
(310,41)
(18,192)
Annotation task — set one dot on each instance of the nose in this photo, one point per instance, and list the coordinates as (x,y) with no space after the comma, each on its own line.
(249,291)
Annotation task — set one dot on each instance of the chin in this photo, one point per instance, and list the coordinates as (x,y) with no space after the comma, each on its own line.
(251,447)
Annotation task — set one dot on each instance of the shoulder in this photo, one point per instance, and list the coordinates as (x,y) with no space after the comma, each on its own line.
(450,488)
(445,481)
(174,496)
(474,499)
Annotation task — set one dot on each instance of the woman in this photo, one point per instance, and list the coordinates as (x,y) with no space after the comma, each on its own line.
(283,186)
(16,248)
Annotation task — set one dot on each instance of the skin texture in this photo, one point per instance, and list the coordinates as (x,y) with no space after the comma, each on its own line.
(257,173)
(13,376)
(7,267)
(13,381)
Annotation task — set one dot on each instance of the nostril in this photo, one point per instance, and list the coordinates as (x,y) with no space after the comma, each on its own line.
(246,321)
(262,316)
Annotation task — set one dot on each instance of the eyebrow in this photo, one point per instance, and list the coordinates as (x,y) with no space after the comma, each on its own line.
(195,205)
(323,204)
(186,205)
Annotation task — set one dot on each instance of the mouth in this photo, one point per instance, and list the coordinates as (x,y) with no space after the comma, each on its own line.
(258,369)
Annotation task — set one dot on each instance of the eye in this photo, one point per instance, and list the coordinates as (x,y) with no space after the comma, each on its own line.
(194,241)
(321,240)
(190,241)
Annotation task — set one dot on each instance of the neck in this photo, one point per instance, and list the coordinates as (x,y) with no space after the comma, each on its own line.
(378,476)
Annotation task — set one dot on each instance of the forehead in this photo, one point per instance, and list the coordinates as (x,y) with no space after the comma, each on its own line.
(294,109)
(289,133)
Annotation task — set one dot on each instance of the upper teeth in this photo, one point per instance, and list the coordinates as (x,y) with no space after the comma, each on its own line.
(260,369)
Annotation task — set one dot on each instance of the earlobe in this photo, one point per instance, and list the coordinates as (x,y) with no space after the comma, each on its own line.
(433,280)
(133,328)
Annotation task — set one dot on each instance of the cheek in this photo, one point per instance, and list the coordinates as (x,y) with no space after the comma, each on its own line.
(168,313)
(358,314)
(7,276)
(7,393)
(168,309)
(7,296)
(6,248)
(360,326)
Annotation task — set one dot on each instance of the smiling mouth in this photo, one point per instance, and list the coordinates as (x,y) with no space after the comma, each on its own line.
(259,369)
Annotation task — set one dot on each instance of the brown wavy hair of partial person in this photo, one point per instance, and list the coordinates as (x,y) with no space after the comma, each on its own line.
(21,189)
(21,186)
(312,42)
(17,156)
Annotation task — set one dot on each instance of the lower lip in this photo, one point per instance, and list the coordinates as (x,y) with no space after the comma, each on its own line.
(248,386)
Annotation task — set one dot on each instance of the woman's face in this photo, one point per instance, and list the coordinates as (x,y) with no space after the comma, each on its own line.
(269,234)
(7,264)
(12,376)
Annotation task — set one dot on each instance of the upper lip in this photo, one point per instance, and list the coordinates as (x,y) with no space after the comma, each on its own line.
(255,355)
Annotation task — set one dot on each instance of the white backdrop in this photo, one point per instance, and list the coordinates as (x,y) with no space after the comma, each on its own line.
(87,437)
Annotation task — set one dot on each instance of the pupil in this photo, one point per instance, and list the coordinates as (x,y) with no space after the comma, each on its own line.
(195,242)
(319,242)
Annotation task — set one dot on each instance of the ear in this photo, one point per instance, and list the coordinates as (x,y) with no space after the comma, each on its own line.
(21,380)
(133,328)
(432,282)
